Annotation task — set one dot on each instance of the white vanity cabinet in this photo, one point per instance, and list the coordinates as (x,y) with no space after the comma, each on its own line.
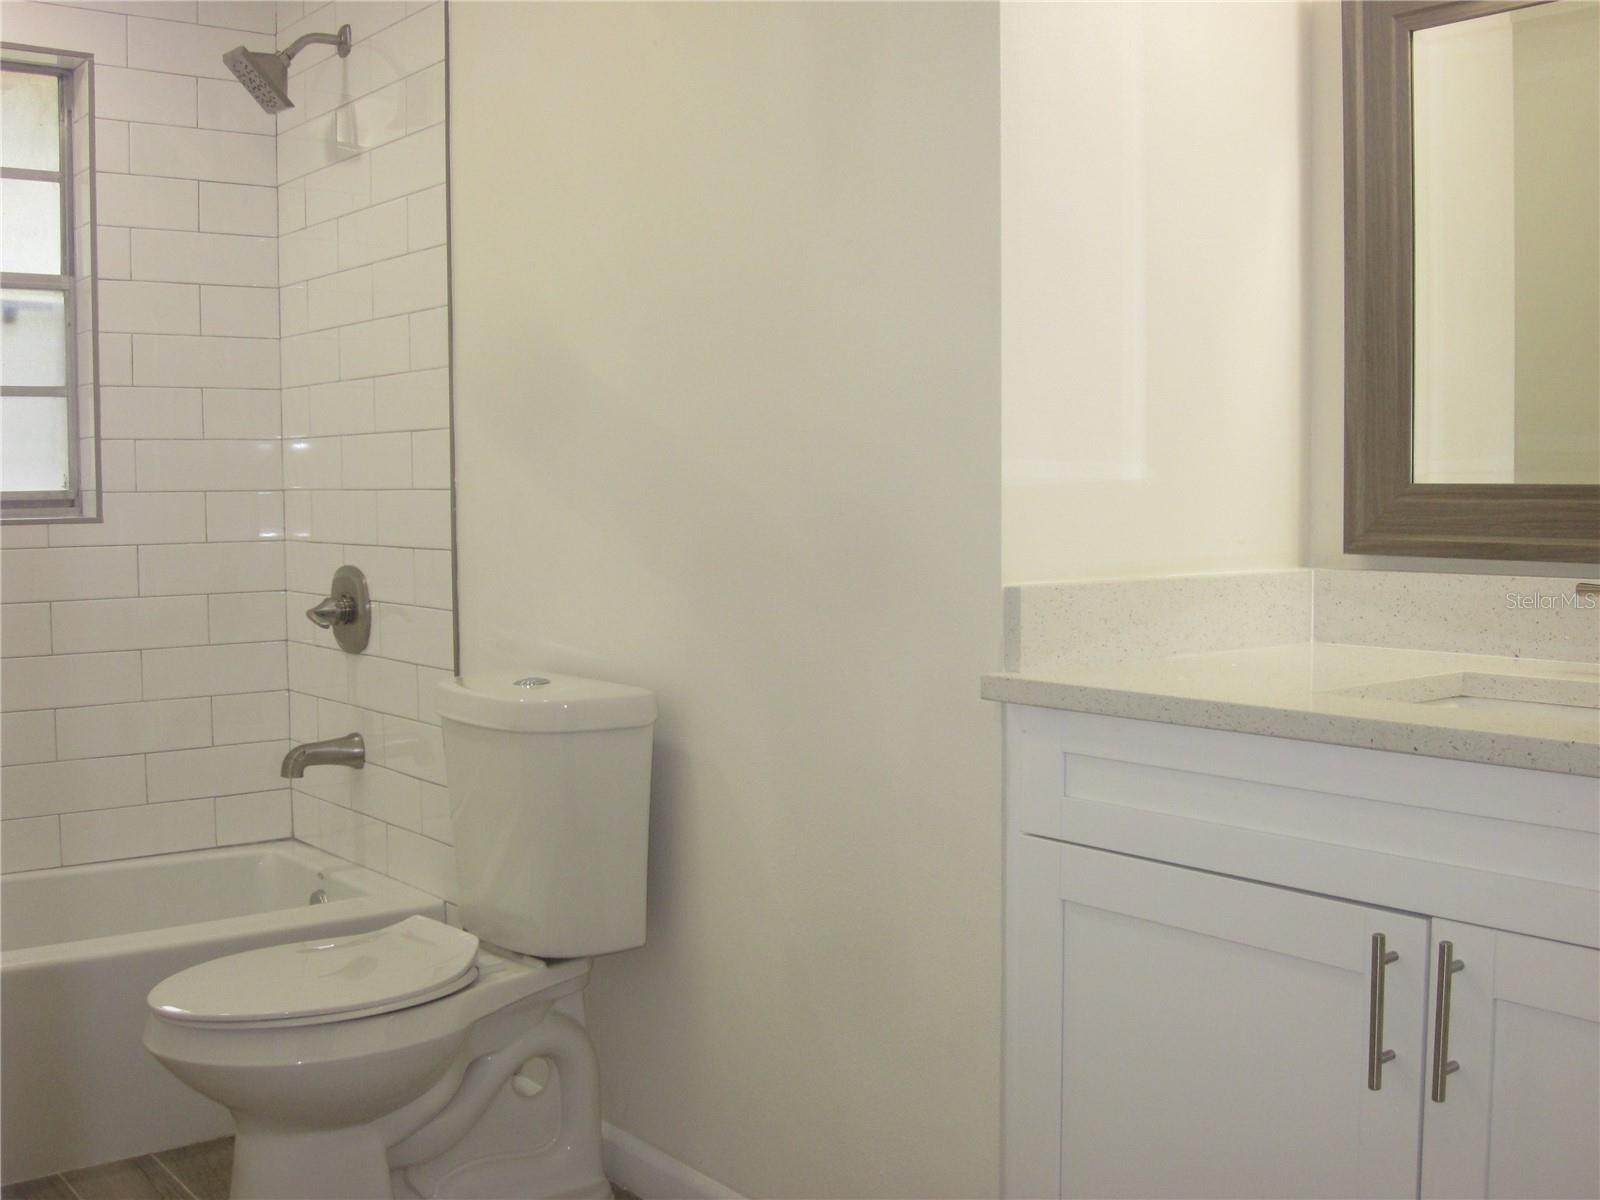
(1521,1117)
(1194,921)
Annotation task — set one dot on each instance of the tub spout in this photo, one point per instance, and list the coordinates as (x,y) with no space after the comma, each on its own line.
(347,751)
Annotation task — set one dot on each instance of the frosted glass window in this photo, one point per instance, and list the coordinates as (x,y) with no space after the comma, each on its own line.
(33,339)
(30,120)
(30,226)
(35,444)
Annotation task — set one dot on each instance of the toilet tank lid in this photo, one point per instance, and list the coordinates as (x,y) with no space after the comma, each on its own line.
(541,702)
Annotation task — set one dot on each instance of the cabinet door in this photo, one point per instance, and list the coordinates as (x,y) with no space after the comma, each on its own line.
(1520,1116)
(1187,1034)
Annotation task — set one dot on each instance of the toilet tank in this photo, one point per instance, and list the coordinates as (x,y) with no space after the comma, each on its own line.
(550,806)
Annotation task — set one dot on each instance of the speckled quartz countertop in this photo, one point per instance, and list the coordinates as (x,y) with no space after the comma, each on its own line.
(1373,697)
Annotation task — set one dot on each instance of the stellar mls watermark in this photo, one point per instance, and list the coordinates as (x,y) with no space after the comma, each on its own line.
(1551,601)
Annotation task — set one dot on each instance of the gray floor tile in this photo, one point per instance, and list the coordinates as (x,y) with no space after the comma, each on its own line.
(51,1187)
(199,1172)
(131,1179)
(205,1169)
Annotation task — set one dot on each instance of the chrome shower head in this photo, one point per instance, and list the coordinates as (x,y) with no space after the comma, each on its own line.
(266,76)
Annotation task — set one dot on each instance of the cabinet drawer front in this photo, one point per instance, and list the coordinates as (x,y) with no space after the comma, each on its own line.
(1445,785)
(1487,845)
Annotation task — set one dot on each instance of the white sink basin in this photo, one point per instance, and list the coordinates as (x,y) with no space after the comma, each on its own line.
(1569,700)
(1532,708)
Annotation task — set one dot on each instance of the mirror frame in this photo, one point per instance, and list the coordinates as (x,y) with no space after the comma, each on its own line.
(1385,512)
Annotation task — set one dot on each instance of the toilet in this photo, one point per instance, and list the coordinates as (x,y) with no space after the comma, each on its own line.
(426,1060)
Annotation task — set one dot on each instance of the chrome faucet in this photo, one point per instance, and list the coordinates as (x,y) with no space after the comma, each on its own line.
(347,751)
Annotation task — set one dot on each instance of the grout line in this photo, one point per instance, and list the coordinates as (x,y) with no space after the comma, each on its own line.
(67,1183)
(176,1178)
(99,174)
(147,754)
(131,122)
(195,24)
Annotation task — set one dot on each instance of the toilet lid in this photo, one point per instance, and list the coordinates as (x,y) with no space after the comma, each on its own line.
(416,960)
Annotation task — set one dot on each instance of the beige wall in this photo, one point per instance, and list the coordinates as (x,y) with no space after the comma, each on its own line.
(1154,304)
(726,304)
(1174,333)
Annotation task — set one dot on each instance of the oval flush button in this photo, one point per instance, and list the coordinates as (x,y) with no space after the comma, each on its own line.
(531,681)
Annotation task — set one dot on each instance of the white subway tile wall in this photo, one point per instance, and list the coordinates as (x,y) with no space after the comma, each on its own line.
(141,648)
(366,417)
(275,402)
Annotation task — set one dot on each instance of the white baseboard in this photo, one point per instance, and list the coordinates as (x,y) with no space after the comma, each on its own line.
(653,1174)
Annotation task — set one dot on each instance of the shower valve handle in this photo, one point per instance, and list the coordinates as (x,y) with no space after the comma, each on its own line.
(347,610)
(335,610)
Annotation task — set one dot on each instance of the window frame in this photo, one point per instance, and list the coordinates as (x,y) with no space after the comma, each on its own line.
(77,285)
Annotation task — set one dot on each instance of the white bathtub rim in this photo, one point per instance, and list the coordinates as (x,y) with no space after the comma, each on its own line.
(381,896)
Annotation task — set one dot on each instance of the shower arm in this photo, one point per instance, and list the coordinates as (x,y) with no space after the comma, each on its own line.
(340,39)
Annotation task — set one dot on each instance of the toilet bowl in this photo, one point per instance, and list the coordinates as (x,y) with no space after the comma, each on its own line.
(338,1099)
(386,1064)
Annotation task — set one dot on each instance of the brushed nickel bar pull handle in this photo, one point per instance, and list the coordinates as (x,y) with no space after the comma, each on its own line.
(1443,1065)
(1382,956)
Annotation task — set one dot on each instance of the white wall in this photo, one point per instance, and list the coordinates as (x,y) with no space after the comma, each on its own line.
(366,415)
(144,674)
(726,301)
(1154,298)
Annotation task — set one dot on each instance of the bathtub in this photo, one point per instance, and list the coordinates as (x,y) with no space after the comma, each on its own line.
(80,947)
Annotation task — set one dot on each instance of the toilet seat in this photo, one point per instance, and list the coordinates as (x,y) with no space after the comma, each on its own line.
(323,980)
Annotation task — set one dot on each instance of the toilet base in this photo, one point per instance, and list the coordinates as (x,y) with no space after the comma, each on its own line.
(351,1164)
(469,1139)
(509,1175)
(327,1164)
(518,1147)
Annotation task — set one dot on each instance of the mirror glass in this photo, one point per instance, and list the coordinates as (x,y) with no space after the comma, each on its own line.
(1506,210)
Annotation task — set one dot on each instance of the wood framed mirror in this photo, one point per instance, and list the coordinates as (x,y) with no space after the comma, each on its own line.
(1472,387)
